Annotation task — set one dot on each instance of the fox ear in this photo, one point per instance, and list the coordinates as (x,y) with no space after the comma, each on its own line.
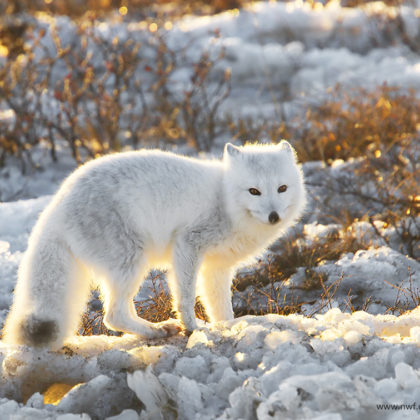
(287,147)
(232,150)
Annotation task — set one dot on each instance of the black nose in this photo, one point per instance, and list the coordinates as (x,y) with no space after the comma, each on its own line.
(273,217)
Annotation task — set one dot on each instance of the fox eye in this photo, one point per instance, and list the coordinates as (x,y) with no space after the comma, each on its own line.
(282,189)
(254,191)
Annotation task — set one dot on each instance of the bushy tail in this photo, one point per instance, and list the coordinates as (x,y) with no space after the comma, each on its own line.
(50,295)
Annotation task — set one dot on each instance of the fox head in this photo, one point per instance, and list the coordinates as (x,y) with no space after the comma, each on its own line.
(264,183)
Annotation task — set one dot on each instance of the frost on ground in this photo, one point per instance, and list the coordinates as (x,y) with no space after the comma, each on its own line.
(337,365)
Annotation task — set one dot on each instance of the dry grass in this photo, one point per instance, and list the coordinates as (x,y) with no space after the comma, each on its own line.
(348,124)
(289,254)
(269,281)
(359,123)
(407,296)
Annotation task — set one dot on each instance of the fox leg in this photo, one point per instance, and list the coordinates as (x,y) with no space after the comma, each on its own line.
(121,285)
(182,282)
(215,293)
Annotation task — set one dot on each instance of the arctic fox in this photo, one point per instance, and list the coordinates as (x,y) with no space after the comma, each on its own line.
(122,214)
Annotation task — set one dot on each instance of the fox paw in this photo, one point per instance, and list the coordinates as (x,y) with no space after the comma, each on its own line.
(186,332)
(199,324)
(169,327)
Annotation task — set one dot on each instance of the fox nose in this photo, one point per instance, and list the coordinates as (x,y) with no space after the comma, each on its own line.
(273,217)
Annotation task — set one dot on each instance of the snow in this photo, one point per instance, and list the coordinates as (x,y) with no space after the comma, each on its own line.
(338,364)
(334,365)
(309,50)
(373,273)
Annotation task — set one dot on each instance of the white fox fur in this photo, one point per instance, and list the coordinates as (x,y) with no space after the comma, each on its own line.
(122,214)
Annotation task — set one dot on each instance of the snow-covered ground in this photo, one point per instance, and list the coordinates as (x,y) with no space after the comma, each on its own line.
(332,366)
(292,52)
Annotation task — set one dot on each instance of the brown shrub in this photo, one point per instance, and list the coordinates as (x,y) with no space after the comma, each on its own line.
(356,123)
(122,95)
